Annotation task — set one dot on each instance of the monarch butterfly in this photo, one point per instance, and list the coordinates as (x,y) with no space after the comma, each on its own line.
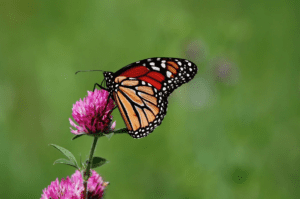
(141,90)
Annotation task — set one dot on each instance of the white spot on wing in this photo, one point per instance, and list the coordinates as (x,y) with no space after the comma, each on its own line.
(155,68)
(169,74)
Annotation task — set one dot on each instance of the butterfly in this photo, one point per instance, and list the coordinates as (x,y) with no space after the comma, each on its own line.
(141,90)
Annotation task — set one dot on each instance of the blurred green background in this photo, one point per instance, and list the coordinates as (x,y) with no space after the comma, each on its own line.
(232,132)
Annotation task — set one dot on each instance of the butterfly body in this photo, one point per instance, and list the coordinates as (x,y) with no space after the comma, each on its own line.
(141,90)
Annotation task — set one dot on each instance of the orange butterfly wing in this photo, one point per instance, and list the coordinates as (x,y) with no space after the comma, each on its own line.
(141,90)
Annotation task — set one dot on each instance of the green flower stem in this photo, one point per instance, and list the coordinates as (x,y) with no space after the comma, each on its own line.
(87,172)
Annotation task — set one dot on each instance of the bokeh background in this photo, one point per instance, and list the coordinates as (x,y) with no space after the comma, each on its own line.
(232,132)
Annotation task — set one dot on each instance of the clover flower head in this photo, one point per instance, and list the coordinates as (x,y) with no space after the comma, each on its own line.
(72,188)
(93,113)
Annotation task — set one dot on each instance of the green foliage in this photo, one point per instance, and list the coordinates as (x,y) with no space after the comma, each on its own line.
(67,162)
(98,162)
(77,136)
(72,160)
(119,131)
(240,116)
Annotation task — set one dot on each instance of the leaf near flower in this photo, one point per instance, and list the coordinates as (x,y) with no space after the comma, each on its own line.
(64,161)
(67,153)
(98,162)
(77,136)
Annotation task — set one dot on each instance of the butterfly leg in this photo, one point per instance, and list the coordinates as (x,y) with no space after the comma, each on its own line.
(99,87)
(112,110)
(109,96)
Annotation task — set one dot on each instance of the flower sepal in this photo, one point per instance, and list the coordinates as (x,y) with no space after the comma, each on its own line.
(107,133)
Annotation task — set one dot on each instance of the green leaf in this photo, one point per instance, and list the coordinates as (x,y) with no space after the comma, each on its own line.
(64,161)
(81,163)
(109,135)
(77,136)
(67,153)
(120,131)
(98,162)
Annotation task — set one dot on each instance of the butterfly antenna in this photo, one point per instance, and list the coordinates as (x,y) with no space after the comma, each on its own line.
(88,71)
